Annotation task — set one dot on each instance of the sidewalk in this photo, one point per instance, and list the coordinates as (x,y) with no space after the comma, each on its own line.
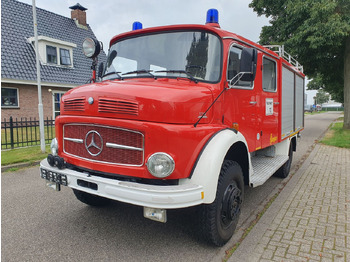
(310,219)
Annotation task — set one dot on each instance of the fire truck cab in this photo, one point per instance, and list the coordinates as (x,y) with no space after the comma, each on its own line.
(184,115)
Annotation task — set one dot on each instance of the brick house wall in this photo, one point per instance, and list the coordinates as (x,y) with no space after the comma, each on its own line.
(28,101)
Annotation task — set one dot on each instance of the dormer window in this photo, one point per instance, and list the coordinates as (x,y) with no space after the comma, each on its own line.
(55,52)
(65,56)
(51,54)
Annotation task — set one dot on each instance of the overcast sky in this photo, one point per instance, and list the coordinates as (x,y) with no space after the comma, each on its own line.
(108,18)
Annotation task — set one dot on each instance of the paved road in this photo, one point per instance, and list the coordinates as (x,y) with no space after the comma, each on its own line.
(39,224)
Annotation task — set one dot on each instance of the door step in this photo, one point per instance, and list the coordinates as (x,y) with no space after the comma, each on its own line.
(264,167)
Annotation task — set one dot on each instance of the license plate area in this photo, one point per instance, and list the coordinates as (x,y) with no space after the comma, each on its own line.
(53,179)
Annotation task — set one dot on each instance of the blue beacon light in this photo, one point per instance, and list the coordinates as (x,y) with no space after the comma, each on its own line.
(212,16)
(136,26)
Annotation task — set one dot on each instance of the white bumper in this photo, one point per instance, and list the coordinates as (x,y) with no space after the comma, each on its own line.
(167,197)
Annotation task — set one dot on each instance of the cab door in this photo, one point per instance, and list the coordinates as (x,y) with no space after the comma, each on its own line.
(270,102)
(241,102)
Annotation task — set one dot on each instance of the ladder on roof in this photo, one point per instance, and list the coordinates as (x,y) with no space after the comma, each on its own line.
(279,49)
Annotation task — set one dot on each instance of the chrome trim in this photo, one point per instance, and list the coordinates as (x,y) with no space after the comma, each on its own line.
(76,140)
(112,145)
(92,142)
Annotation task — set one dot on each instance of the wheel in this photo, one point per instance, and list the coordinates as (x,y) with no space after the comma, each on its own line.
(90,199)
(219,219)
(284,170)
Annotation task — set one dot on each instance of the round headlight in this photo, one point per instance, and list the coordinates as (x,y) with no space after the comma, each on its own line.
(91,47)
(54,147)
(160,165)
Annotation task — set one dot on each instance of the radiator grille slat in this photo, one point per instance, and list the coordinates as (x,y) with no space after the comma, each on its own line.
(106,105)
(75,104)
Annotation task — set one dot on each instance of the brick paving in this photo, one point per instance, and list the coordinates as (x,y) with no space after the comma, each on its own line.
(313,224)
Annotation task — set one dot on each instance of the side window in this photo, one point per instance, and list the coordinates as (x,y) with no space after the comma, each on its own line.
(233,67)
(9,97)
(269,75)
(51,54)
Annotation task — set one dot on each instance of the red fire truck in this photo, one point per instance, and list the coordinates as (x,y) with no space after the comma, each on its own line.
(184,115)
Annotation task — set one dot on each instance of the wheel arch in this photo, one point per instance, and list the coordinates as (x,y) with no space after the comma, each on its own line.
(238,152)
(222,146)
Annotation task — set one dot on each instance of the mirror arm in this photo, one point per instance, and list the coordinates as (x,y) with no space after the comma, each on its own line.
(239,76)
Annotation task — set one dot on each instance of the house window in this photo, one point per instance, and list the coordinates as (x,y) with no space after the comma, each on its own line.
(56,103)
(269,75)
(51,54)
(9,97)
(65,56)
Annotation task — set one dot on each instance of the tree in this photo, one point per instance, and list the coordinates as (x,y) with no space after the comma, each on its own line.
(322,97)
(317,33)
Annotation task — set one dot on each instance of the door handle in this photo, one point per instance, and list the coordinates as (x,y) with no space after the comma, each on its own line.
(276,103)
(252,103)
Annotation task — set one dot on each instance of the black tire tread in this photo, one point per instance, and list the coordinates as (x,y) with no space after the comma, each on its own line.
(208,223)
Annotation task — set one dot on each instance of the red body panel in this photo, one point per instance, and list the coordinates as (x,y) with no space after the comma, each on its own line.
(182,142)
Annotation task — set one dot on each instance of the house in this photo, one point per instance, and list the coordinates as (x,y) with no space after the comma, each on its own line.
(62,62)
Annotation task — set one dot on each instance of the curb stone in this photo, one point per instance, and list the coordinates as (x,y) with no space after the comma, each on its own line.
(20,165)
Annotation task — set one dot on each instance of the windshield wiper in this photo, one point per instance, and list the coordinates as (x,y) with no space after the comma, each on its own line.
(142,71)
(113,73)
(189,76)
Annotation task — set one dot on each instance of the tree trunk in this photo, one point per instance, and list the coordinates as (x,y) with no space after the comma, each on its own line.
(347,84)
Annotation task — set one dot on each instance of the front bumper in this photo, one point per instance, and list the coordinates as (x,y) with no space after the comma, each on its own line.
(167,197)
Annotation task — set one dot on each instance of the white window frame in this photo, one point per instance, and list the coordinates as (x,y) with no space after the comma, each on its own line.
(17,97)
(54,92)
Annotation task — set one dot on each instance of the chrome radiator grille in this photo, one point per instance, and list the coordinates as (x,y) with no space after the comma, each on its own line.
(104,144)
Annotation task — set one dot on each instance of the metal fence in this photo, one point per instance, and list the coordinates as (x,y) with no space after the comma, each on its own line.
(24,132)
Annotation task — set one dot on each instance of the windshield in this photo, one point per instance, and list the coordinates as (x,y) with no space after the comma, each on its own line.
(192,54)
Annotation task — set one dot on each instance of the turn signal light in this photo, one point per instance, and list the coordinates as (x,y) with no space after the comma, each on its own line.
(235,126)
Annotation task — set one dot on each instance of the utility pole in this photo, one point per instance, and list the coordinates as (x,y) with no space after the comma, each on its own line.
(40,105)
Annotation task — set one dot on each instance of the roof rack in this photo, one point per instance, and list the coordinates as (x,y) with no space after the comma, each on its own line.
(279,49)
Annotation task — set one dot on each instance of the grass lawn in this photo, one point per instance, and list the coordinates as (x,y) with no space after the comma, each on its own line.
(337,136)
(22,155)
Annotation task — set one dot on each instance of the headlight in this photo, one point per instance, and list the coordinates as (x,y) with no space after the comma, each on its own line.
(54,147)
(160,165)
(91,47)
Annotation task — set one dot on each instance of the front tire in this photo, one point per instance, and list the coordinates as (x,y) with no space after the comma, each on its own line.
(219,219)
(90,199)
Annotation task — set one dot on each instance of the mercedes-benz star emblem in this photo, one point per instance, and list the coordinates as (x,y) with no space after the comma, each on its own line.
(93,143)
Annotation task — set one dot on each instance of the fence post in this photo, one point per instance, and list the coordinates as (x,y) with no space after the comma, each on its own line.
(11,133)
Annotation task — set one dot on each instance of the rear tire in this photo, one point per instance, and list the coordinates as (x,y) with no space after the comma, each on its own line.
(219,219)
(284,170)
(90,199)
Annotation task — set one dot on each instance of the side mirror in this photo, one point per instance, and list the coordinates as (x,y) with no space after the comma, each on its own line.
(100,70)
(249,58)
